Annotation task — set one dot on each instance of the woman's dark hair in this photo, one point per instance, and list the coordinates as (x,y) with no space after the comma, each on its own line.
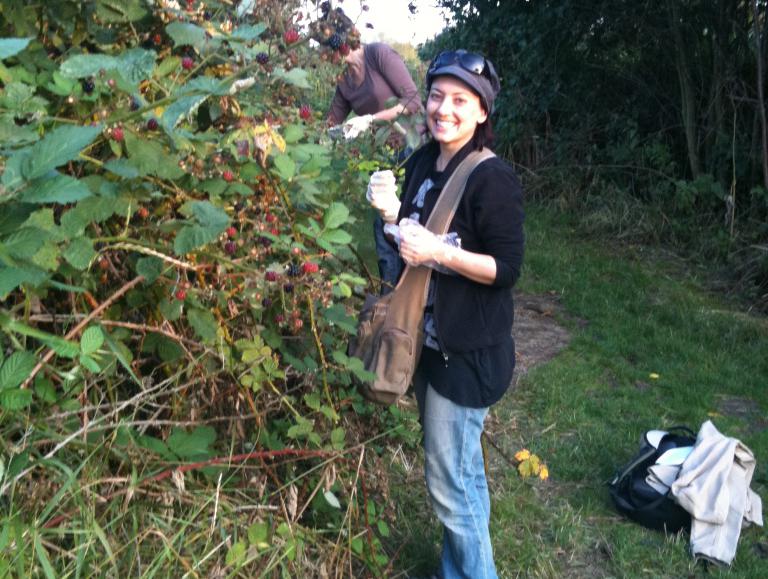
(483,136)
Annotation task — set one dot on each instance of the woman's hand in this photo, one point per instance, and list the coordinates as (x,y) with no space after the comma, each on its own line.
(382,194)
(419,246)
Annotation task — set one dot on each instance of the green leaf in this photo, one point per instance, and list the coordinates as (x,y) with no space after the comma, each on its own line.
(183,33)
(85,65)
(149,158)
(286,167)
(335,216)
(91,340)
(120,10)
(195,444)
(206,214)
(13,277)
(59,146)
(331,499)
(293,134)
(122,168)
(80,253)
(248,32)
(25,243)
(204,323)
(61,189)
(296,77)
(336,236)
(192,237)
(45,390)
(236,554)
(258,535)
(150,268)
(16,369)
(338,438)
(171,309)
(137,64)
(123,355)
(12,46)
(167,66)
(302,428)
(89,363)
(182,108)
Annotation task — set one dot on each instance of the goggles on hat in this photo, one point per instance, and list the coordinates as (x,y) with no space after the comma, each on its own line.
(469,61)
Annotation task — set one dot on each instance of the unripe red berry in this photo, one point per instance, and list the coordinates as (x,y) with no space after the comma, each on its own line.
(305,112)
(187,63)
(152,124)
(270,217)
(279,318)
(298,323)
(290,36)
(143,213)
(270,276)
(118,134)
(180,295)
(230,247)
(231,232)
(228,176)
(157,39)
(103,264)
(310,267)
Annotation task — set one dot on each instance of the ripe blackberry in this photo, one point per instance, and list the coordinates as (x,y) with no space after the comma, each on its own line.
(262,58)
(294,270)
(89,85)
(335,41)
(288,288)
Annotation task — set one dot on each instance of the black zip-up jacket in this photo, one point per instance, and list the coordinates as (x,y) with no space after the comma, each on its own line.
(488,220)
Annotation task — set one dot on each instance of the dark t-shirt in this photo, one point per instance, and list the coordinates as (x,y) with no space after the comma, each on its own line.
(385,77)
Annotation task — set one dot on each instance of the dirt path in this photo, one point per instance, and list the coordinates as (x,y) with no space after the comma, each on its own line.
(538,335)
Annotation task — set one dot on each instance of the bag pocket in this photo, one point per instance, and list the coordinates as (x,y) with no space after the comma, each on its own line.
(394,361)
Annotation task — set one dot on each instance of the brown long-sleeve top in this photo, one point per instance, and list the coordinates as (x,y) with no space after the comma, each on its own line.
(386,76)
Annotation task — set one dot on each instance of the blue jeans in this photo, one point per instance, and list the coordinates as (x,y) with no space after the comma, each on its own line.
(455,475)
(390,263)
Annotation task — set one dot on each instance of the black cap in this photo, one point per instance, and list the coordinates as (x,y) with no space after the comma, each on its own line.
(473,69)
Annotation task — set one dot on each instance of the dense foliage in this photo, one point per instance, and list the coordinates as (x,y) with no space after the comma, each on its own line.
(178,281)
(649,117)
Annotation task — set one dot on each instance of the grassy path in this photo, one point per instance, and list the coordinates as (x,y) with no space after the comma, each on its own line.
(649,348)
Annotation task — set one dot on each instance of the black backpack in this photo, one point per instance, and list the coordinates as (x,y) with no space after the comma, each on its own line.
(638,500)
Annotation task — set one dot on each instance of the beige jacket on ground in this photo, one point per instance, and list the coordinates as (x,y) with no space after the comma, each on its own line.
(713,485)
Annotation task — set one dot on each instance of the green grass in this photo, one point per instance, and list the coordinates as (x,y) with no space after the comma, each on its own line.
(633,312)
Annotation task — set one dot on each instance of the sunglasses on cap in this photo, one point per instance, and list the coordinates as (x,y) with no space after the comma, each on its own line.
(469,61)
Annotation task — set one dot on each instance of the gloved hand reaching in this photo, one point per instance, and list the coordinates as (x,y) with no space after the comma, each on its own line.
(356,125)
(419,246)
(382,194)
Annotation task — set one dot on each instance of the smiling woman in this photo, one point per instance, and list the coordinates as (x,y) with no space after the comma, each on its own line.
(468,356)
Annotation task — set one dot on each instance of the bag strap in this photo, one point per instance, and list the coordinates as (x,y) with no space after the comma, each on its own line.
(407,300)
(452,192)
(443,212)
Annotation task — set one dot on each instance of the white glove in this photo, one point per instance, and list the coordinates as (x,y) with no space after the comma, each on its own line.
(419,246)
(356,125)
(382,194)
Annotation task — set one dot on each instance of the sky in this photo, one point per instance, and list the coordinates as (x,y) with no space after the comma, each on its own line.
(393,21)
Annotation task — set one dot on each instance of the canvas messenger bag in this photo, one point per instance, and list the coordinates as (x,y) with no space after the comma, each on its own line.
(389,333)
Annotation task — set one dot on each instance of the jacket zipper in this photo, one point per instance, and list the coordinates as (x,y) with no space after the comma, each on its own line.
(437,326)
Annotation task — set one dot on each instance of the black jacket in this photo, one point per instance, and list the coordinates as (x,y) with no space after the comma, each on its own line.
(489,220)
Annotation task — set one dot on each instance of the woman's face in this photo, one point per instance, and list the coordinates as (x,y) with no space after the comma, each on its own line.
(453,112)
